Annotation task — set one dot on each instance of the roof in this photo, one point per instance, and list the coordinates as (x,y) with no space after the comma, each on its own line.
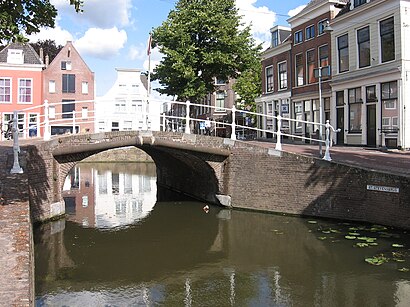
(30,55)
(314,3)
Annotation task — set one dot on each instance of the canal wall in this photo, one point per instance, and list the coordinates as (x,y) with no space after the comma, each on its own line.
(16,239)
(268,180)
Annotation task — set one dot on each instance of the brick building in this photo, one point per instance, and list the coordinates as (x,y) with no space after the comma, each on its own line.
(68,85)
(370,67)
(21,88)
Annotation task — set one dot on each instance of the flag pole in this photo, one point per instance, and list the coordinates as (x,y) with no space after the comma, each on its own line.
(149,64)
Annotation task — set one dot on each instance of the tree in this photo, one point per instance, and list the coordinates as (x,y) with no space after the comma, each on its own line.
(24,17)
(49,48)
(201,40)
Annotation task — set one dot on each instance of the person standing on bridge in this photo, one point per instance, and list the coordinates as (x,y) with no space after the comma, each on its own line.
(207,126)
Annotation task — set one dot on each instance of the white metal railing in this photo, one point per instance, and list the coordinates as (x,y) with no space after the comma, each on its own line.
(177,117)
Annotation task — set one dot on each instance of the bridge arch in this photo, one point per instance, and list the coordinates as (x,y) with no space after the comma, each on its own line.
(190,166)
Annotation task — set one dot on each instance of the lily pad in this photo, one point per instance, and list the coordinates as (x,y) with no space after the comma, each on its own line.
(403,269)
(322,238)
(376,260)
(326,231)
(350,237)
(312,222)
(360,244)
(397,245)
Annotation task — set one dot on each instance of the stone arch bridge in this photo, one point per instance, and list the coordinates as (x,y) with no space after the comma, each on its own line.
(225,172)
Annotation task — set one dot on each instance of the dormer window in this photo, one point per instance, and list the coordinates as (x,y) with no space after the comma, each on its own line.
(275,38)
(15,56)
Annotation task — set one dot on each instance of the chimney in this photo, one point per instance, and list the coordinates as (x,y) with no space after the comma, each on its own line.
(47,60)
(41,55)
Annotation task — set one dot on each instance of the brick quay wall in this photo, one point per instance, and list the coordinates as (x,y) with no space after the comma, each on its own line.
(289,183)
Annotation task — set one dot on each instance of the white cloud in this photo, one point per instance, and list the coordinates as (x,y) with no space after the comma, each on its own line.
(295,11)
(59,35)
(137,52)
(101,43)
(97,13)
(260,18)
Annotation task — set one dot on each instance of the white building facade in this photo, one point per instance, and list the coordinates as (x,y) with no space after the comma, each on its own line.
(370,73)
(126,106)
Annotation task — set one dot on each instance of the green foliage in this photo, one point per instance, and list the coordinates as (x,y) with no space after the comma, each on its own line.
(24,17)
(201,40)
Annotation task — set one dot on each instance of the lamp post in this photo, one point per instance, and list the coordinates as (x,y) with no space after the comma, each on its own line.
(326,29)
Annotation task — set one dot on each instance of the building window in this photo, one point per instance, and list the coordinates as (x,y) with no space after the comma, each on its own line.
(51,86)
(363,44)
(283,76)
(298,37)
(68,83)
(115,126)
(299,70)
(310,64)
(275,38)
(358,2)
(120,106)
(340,98)
(389,107)
(310,32)
(269,79)
(127,125)
(84,87)
(343,53)
(355,110)
(65,65)
(371,93)
(32,124)
(5,90)
(298,116)
(387,39)
(220,102)
(68,107)
(324,56)
(25,90)
(15,56)
(321,26)
(84,112)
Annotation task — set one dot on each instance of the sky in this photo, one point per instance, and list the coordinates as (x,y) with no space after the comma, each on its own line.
(112,34)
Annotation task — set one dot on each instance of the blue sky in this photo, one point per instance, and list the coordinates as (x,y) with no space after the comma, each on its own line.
(113,33)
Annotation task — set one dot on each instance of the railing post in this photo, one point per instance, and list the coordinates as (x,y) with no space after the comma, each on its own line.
(233,133)
(164,125)
(73,122)
(187,126)
(279,133)
(327,142)
(46,135)
(16,148)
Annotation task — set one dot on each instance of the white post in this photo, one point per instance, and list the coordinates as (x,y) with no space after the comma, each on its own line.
(47,134)
(327,142)
(233,133)
(279,133)
(320,111)
(187,127)
(16,148)
(74,122)
(164,124)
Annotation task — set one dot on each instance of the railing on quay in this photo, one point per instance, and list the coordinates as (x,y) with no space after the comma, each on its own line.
(175,119)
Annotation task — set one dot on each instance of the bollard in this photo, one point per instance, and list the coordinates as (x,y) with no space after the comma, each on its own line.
(279,134)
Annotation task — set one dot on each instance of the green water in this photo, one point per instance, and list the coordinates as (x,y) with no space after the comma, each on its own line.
(118,246)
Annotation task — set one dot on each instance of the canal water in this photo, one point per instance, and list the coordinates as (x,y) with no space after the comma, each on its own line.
(123,243)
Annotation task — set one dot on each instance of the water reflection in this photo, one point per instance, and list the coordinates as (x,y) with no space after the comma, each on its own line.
(178,255)
(110,195)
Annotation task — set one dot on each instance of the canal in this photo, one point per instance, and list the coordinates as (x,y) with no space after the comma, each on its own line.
(124,243)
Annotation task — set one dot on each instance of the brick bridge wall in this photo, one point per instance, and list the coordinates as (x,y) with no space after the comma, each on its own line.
(254,177)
